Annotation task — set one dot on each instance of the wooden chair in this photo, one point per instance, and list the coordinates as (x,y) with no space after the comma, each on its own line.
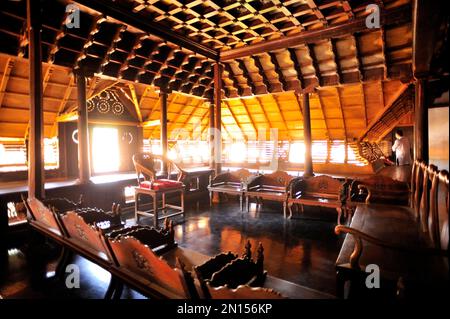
(146,166)
(231,183)
(273,187)
(322,191)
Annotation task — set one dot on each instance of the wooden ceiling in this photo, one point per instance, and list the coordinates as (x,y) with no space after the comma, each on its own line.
(353,72)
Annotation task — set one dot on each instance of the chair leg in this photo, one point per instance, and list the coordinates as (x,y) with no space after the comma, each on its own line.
(118,292)
(111,288)
(247,203)
(62,262)
(339,211)
(210,199)
(241,203)
(290,209)
(136,206)
(284,210)
(340,284)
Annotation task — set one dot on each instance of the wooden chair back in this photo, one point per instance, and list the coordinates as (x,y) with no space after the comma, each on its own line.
(418,188)
(424,205)
(43,215)
(438,226)
(146,165)
(85,234)
(140,261)
(383,189)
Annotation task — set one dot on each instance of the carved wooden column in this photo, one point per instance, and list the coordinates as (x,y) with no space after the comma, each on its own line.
(420,121)
(164,144)
(218,69)
(36,187)
(308,167)
(84,167)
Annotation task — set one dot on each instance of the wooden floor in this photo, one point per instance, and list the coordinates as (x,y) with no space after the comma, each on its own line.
(302,250)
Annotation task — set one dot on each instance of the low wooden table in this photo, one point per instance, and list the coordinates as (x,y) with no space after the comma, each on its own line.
(155,194)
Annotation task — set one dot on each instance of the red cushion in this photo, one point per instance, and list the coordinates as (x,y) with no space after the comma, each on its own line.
(160,184)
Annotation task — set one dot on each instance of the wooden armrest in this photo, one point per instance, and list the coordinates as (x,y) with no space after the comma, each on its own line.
(220,178)
(358,236)
(255,182)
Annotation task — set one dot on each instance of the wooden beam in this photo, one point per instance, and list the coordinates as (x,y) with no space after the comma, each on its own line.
(308,168)
(341,108)
(4,81)
(420,122)
(235,120)
(282,116)
(84,168)
(359,58)
(399,15)
(164,142)
(35,145)
(135,102)
(124,13)
(384,110)
(324,116)
(67,93)
(218,70)
(210,134)
(250,117)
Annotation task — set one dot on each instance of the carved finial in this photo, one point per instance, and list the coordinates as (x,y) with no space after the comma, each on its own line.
(260,257)
(248,250)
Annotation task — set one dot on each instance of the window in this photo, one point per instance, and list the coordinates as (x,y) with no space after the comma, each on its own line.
(105,149)
(13,154)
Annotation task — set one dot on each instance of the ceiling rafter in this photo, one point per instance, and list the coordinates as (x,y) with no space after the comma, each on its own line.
(322,109)
(5,78)
(233,78)
(62,105)
(247,76)
(262,73)
(278,71)
(249,116)
(282,116)
(244,136)
(297,66)
(315,63)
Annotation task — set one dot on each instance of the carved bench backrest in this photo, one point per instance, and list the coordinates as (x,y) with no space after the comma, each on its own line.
(321,184)
(418,189)
(140,260)
(382,188)
(43,215)
(424,206)
(277,179)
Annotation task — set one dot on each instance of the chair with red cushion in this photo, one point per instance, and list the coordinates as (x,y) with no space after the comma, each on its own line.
(146,166)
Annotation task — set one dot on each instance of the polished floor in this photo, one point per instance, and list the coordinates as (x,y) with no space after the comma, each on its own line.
(302,250)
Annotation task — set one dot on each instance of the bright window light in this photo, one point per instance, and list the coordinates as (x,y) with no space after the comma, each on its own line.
(105,150)
(297,153)
(237,152)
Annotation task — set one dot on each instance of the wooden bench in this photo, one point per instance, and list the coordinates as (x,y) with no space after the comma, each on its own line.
(378,188)
(231,183)
(322,191)
(272,187)
(405,242)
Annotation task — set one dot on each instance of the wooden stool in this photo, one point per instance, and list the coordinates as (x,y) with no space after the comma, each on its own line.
(155,194)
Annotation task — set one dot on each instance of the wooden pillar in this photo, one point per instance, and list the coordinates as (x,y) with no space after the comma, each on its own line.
(35,147)
(84,167)
(420,122)
(218,69)
(211,134)
(164,144)
(308,167)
